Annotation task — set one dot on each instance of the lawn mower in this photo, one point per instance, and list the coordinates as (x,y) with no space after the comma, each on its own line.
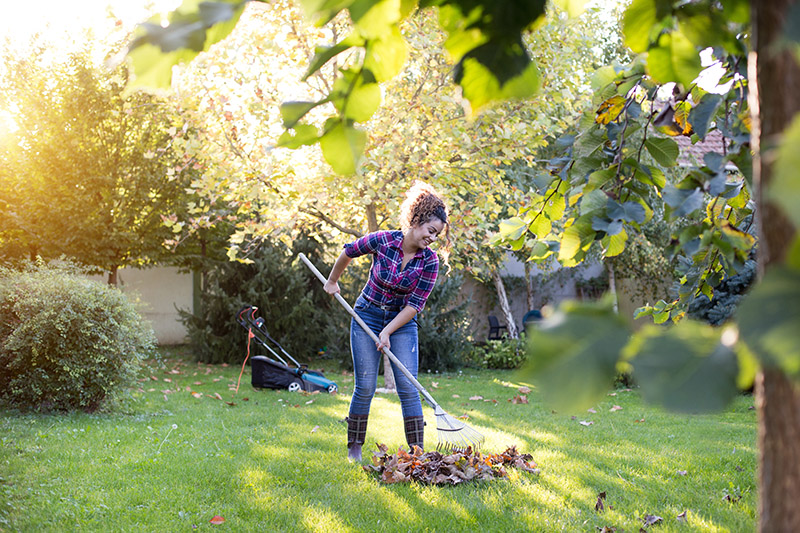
(271,374)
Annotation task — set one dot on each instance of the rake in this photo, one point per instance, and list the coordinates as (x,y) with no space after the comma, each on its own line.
(453,434)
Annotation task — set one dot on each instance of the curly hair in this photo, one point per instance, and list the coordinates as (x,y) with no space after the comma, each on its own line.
(423,203)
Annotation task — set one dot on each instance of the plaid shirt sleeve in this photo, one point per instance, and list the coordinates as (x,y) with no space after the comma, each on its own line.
(364,245)
(427,280)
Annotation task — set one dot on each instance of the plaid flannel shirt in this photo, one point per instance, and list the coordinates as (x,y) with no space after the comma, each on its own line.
(387,283)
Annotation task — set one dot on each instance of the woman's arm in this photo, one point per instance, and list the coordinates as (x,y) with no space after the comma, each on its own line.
(332,285)
(402,318)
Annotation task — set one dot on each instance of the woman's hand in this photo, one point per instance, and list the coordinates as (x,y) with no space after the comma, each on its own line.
(384,341)
(331,287)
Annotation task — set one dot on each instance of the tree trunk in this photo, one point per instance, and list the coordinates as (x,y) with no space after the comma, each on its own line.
(612,284)
(528,286)
(774,84)
(388,375)
(112,276)
(501,295)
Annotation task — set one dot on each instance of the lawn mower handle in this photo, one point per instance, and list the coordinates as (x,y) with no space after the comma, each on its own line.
(371,333)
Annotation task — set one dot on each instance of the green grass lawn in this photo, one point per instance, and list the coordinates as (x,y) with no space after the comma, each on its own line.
(275,461)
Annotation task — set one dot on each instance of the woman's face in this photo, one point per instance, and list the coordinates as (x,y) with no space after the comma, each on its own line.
(426,233)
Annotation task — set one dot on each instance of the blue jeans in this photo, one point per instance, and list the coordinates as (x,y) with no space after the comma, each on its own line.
(367,358)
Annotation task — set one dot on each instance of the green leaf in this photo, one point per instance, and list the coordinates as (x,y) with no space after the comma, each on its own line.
(304,135)
(594,200)
(684,367)
(292,112)
(793,257)
(674,59)
(152,68)
(342,146)
(784,188)
(700,116)
(374,19)
(768,320)
(637,23)
(683,201)
(664,151)
(578,237)
(573,354)
(512,228)
(481,86)
(387,55)
(323,54)
(540,226)
(614,245)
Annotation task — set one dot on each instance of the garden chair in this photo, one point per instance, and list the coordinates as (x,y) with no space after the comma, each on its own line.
(495,328)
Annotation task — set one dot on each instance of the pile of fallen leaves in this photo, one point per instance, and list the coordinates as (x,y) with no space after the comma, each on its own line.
(436,468)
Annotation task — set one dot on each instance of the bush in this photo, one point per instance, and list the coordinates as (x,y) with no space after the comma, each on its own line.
(296,311)
(66,343)
(506,354)
(444,327)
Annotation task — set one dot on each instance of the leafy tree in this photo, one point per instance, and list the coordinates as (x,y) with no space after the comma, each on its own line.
(606,177)
(83,173)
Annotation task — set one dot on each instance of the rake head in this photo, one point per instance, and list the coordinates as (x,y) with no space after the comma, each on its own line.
(455,435)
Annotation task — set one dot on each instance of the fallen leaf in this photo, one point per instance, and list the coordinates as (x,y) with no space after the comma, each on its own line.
(435,384)
(651,519)
(681,517)
(168,380)
(592,410)
(640,420)
(524,390)
(616,408)
(519,399)
(607,529)
(197,394)
(217,396)
(456,396)
(309,402)
(476,397)
(173,371)
(232,404)
(154,378)
(465,416)
(217,520)
(573,418)
(197,383)
(488,400)
(599,506)
(586,423)
(217,379)
(612,393)
(314,429)
(682,472)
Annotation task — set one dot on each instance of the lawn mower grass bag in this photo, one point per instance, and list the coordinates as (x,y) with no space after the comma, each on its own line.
(268,373)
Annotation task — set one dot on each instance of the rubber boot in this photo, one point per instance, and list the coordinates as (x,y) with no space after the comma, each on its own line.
(415,432)
(356,435)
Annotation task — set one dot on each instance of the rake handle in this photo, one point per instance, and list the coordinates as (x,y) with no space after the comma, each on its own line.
(371,333)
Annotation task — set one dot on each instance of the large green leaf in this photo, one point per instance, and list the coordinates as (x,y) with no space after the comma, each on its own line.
(574,8)
(323,54)
(193,27)
(387,55)
(637,23)
(374,18)
(292,112)
(664,151)
(614,245)
(485,75)
(577,237)
(702,114)
(572,356)
(768,320)
(684,367)
(683,201)
(675,58)
(784,188)
(342,146)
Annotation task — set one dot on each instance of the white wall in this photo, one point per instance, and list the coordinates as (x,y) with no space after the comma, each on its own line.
(157,292)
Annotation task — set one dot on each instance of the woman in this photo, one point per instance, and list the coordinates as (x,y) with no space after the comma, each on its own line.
(403,273)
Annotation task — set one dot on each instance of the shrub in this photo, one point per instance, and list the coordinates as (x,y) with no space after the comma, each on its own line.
(66,343)
(499,354)
(444,327)
(296,311)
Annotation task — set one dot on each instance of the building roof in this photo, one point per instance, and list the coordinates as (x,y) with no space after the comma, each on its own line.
(692,154)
